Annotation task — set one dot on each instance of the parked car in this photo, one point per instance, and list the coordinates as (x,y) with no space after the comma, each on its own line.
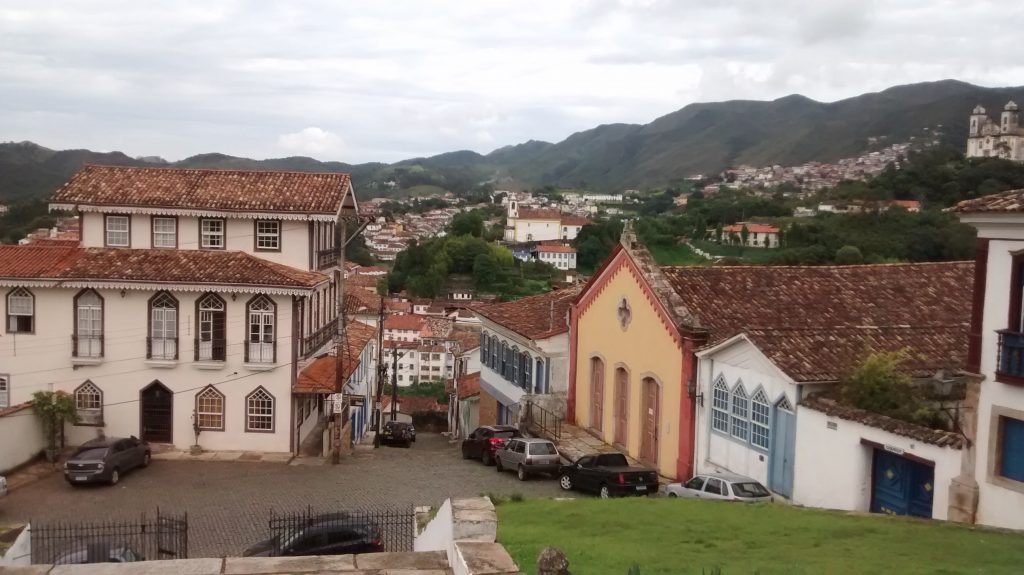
(528,457)
(99,552)
(3,486)
(722,486)
(398,433)
(104,460)
(609,475)
(485,441)
(326,534)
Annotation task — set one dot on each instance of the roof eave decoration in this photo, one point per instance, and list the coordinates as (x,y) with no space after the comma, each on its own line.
(197,213)
(84,283)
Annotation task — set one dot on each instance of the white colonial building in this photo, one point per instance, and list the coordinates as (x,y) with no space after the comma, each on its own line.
(537,225)
(1004,139)
(994,472)
(190,303)
(562,257)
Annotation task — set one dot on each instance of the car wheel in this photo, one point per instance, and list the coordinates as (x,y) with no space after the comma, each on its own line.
(115,476)
(521,473)
(605,493)
(487,459)
(497,464)
(671,494)
(145,460)
(565,482)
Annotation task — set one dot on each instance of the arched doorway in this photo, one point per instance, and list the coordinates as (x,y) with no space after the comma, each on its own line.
(651,415)
(156,411)
(621,405)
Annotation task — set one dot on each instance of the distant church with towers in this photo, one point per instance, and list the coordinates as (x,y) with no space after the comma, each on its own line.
(987,138)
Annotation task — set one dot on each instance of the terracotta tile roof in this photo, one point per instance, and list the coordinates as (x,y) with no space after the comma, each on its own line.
(829,406)
(405,322)
(410,404)
(568,220)
(535,317)
(394,305)
(370,270)
(147,266)
(436,327)
(752,228)
(362,302)
(727,300)
(824,354)
(469,385)
(466,338)
(222,190)
(539,214)
(556,249)
(1009,201)
(15,409)
(397,344)
(908,204)
(365,283)
(320,376)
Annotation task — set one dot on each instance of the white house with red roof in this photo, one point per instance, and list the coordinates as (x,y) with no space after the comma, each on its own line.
(758,235)
(540,224)
(562,257)
(188,308)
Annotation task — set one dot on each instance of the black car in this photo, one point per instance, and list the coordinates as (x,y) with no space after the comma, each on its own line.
(326,534)
(485,441)
(398,433)
(608,474)
(99,552)
(105,460)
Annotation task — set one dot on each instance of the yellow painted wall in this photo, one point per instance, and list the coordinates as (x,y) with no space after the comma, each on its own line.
(646,347)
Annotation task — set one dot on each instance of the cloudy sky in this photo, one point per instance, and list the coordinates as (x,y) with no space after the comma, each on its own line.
(387,80)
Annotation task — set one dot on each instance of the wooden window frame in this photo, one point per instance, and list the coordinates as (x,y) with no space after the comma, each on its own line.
(103,321)
(755,424)
(106,231)
(7,307)
(248,327)
(152,232)
(273,411)
(737,418)
(720,385)
(149,323)
(256,235)
(5,393)
(74,395)
(198,322)
(224,233)
(223,408)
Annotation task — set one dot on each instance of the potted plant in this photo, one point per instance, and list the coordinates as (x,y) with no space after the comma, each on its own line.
(53,408)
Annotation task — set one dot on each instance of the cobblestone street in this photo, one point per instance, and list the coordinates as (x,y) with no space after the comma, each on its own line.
(229,503)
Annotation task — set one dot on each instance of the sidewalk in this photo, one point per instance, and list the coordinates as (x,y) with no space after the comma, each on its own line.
(575,443)
(248,456)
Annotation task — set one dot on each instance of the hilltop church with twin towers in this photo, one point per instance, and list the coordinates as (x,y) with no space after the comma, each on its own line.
(1004,139)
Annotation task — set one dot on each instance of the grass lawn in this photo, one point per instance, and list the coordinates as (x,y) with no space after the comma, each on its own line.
(677,536)
(677,255)
(751,255)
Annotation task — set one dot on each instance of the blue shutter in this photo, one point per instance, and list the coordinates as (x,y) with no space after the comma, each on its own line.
(483,347)
(1013,449)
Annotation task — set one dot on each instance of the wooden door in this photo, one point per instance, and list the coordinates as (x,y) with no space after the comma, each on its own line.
(157,412)
(596,394)
(621,405)
(780,461)
(651,416)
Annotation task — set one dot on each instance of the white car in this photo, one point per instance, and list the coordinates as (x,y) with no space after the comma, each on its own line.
(722,487)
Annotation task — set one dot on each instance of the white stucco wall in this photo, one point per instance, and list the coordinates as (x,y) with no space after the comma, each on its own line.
(997,505)
(439,534)
(537,230)
(19,554)
(43,361)
(833,469)
(22,438)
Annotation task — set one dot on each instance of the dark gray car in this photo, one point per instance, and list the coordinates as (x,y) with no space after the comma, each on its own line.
(105,460)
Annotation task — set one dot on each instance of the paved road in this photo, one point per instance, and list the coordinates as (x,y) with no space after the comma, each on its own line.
(228,503)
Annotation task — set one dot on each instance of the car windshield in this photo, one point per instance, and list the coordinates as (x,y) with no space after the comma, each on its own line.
(750,489)
(542,449)
(91,453)
(505,434)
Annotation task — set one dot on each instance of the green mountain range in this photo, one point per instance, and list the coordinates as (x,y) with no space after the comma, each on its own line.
(700,138)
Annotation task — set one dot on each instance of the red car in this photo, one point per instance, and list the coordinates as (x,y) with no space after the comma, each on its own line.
(485,441)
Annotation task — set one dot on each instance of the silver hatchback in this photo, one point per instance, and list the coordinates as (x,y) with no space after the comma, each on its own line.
(528,456)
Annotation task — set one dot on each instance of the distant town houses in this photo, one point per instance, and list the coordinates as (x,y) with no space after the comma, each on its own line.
(1002,139)
(751,234)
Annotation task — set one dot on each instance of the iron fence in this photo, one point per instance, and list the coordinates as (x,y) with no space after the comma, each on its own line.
(543,422)
(333,532)
(164,536)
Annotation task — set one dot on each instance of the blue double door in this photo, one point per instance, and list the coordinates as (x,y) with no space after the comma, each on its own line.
(901,486)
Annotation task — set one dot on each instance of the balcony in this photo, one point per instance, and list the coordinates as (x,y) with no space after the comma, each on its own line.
(162,352)
(315,341)
(1010,365)
(86,349)
(326,259)
(211,349)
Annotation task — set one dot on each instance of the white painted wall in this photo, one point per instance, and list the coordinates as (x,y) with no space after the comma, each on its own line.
(22,438)
(439,534)
(536,230)
(42,361)
(833,469)
(19,554)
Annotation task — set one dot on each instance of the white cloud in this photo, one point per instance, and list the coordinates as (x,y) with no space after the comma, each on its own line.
(312,141)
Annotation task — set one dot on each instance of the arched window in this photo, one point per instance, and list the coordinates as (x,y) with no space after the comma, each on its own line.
(740,413)
(784,404)
(163,327)
(504,360)
(759,420)
(88,337)
(262,319)
(494,353)
(210,328)
(210,409)
(89,404)
(21,310)
(514,364)
(720,406)
(259,411)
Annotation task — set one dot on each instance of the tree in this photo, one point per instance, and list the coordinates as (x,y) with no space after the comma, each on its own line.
(880,384)
(356,251)
(53,409)
(849,255)
(485,271)
(469,223)
(744,235)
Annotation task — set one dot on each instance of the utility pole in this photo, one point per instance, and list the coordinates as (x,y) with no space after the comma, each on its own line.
(394,383)
(382,374)
(339,343)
